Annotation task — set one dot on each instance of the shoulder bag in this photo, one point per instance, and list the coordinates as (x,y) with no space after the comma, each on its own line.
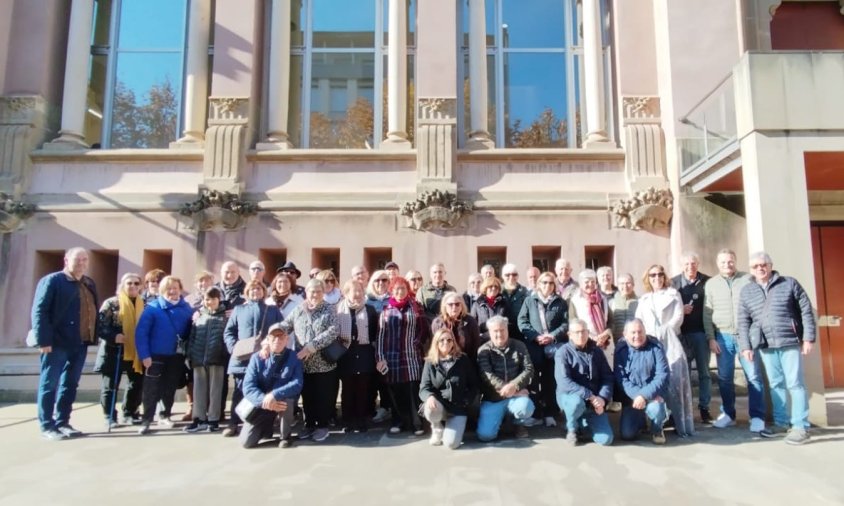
(245,348)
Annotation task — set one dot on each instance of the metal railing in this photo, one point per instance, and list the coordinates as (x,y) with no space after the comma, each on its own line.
(708,128)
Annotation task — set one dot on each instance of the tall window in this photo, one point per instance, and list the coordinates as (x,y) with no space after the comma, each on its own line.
(136,73)
(336,100)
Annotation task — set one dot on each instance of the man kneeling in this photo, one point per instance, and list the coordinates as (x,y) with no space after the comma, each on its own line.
(272,385)
(641,371)
(584,385)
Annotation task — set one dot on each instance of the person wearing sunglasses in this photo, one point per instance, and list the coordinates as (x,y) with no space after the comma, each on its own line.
(333,294)
(490,303)
(376,290)
(454,317)
(661,311)
(473,289)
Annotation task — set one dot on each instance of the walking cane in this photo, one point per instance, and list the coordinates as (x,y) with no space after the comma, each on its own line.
(115,389)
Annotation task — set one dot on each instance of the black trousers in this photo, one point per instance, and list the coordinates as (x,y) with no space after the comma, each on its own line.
(405,399)
(133,396)
(237,396)
(160,382)
(319,398)
(354,398)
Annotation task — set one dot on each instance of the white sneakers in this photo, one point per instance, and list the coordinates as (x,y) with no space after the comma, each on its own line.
(550,422)
(436,436)
(757,425)
(723,421)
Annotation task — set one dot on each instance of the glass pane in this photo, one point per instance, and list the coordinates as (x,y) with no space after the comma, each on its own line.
(294,118)
(152,24)
(489,8)
(96,101)
(342,100)
(297,23)
(102,23)
(147,94)
(340,23)
(533,24)
(535,100)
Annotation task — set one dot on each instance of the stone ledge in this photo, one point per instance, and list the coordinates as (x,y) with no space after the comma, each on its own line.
(564,154)
(116,155)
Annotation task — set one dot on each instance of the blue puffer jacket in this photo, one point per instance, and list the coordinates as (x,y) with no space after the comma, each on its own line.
(162,325)
(281,374)
(244,323)
(787,320)
(583,372)
(641,371)
(56,309)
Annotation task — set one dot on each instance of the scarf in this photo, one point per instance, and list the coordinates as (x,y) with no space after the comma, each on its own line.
(360,321)
(130,313)
(596,311)
(490,300)
(399,304)
(280,299)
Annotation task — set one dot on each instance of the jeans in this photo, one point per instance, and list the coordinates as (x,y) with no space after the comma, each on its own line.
(726,374)
(784,367)
(493,412)
(633,420)
(57,384)
(455,425)
(578,416)
(698,345)
(262,426)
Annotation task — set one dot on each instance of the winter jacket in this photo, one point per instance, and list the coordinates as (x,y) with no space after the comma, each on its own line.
(232,294)
(469,299)
(162,325)
(207,345)
(466,333)
(514,300)
(692,292)
(316,328)
(245,322)
(280,374)
(641,371)
(720,303)
(787,320)
(108,326)
(455,388)
(429,297)
(360,357)
(556,317)
(56,309)
(401,334)
(290,302)
(482,311)
(500,366)
(584,372)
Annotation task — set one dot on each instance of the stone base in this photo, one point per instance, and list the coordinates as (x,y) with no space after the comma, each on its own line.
(223,185)
(273,146)
(395,144)
(431,185)
(188,143)
(599,145)
(65,143)
(643,183)
(479,143)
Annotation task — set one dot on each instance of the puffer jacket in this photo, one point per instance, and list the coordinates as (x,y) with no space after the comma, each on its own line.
(162,325)
(455,388)
(584,372)
(482,311)
(641,371)
(245,322)
(206,345)
(786,321)
(720,303)
(499,366)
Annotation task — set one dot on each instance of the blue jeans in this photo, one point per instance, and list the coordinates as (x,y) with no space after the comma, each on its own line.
(726,374)
(578,416)
(699,348)
(60,373)
(492,414)
(633,420)
(784,367)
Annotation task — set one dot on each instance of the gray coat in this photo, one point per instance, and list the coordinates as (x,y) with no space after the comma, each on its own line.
(775,316)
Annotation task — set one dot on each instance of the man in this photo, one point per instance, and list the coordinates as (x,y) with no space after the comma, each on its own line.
(257,271)
(487,271)
(721,300)
(361,275)
(290,269)
(584,385)
(641,372)
(566,285)
(690,283)
(531,275)
(506,371)
(392,269)
(64,320)
(203,281)
(232,285)
(623,304)
(514,298)
(775,319)
(432,293)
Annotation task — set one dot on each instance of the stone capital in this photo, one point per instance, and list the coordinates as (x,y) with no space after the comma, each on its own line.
(435,210)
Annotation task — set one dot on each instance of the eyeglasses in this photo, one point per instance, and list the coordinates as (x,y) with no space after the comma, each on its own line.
(332,281)
(511,275)
(445,340)
(134,283)
(452,304)
(381,280)
(416,279)
(758,266)
(256,268)
(546,282)
(656,274)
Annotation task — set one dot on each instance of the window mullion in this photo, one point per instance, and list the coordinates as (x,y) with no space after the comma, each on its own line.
(306,76)
(108,99)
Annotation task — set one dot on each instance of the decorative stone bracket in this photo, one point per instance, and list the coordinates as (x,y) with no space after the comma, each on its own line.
(649,209)
(435,210)
(22,128)
(13,213)
(436,144)
(644,143)
(216,210)
(225,143)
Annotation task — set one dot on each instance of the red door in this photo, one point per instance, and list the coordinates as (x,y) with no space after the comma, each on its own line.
(828,249)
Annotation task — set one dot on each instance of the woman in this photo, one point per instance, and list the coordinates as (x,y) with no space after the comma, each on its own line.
(152,281)
(590,305)
(402,330)
(117,321)
(202,282)
(163,327)
(490,303)
(332,291)
(247,320)
(416,281)
(661,310)
(207,354)
(282,297)
(376,291)
(453,316)
(314,322)
(605,279)
(358,324)
(448,388)
(544,322)
(473,289)
(623,305)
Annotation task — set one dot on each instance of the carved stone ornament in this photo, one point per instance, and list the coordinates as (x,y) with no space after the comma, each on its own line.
(436,108)
(435,210)
(649,209)
(215,210)
(641,108)
(228,110)
(13,213)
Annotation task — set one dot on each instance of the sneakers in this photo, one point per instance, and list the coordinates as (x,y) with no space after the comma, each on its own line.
(230,431)
(659,437)
(110,424)
(797,436)
(419,432)
(144,429)
(550,422)
(757,425)
(320,434)
(381,414)
(723,421)
(305,433)
(285,443)
(531,422)
(165,423)
(196,426)
(213,426)
(134,419)
(773,431)
(436,436)
(52,435)
(705,416)
(521,432)
(395,430)
(571,438)
(614,407)
(68,431)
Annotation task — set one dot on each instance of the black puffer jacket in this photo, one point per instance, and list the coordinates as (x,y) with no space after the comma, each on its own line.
(456,388)
(787,319)
(499,366)
(482,311)
(206,345)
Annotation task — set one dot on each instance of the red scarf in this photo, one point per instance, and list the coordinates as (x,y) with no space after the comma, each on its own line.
(399,304)
(596,311)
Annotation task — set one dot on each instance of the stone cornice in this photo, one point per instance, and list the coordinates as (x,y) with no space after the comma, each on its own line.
(118,155)
(352,155)
(511,154)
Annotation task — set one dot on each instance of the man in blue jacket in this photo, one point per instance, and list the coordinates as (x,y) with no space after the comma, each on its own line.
(271,386)
(64,317)
(641,371)
(775,318)
(584,385)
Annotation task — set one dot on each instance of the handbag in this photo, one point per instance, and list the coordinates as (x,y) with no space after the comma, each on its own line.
(247,411)
(334,351)
(245,348)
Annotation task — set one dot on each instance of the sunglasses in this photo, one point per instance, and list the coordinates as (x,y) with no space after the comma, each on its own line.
(416,279)
(134,283)
(546,282)
(381,280)
(758,266)
(445,340)
(656,274)
(256,268)
(511,275)
(453,304)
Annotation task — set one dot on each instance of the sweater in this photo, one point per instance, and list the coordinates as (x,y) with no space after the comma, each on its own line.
(455,387)
(720,303)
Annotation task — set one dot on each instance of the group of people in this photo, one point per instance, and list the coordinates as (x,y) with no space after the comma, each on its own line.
(397,348)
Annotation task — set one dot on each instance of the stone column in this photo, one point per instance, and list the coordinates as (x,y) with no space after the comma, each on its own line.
(278,98)
(397,79)
(196,80)
(75,94)
(478,100)
(593,71)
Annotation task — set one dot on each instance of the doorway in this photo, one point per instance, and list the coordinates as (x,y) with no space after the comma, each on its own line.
(827,249)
